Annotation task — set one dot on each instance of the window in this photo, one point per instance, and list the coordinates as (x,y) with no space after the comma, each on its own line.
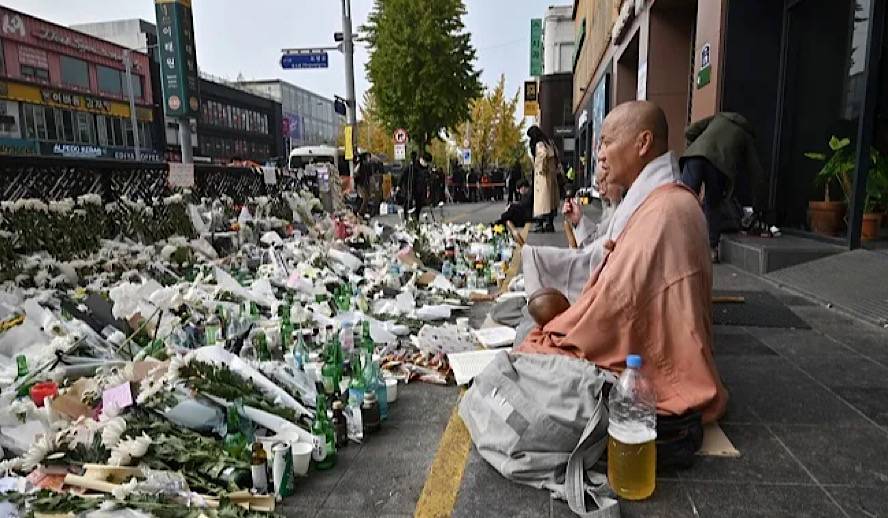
(35,73)
(28,118)
(109,80)
(74,72)
(128,129)
(68,125)
(145,135)
(86,133)
(116,123)
(40,122)
(102,130)
(137,85)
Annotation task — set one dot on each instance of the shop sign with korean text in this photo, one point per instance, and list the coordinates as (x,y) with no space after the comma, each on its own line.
(178,58)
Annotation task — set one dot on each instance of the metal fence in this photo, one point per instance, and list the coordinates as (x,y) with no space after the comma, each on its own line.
(48,179)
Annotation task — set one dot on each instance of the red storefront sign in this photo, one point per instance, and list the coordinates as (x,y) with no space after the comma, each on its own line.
(44,35)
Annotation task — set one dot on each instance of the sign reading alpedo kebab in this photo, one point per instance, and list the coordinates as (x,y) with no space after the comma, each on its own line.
(178,58)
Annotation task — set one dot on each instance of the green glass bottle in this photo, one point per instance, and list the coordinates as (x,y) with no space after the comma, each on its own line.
(366,339)
(324,453)
(235,442)
(260,345)
(357,385)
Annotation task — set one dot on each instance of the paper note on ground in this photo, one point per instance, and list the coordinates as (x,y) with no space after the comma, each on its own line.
(469,364)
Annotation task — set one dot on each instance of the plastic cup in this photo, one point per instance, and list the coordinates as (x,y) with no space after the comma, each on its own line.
(301,457)
(391,390)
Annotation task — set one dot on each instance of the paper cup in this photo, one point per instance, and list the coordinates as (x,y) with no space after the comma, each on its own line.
(391,390)
(301,457)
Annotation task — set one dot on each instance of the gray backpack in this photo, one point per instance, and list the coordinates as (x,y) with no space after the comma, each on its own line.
(541,420)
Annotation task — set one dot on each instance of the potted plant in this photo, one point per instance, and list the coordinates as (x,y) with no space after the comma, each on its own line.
(827,216)
(876,197)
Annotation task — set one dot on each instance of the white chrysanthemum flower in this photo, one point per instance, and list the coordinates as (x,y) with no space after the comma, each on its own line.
(112,429)
(123,491)
(128,449)
(90,199)
(37,452)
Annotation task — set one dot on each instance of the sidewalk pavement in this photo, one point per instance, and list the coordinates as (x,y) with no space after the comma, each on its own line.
(808,413)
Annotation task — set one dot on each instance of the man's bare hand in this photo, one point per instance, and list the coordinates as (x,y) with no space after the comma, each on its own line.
(572,211)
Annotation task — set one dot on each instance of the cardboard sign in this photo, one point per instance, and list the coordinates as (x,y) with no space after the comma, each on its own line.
(181,175)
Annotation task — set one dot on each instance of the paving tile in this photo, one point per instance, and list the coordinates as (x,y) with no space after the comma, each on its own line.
(840,455)
(670,500)
(735,341)
(845,371)
(862,501)
(775,391)
(756,500)
(873,402)
(484,492)
(762,459)
(388,483)
(800,343)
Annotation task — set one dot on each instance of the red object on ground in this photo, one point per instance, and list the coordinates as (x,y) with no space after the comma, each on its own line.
(42,390)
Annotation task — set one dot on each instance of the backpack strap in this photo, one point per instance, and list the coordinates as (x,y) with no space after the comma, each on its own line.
(588,450)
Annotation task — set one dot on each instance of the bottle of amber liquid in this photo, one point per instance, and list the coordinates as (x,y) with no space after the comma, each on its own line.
(340,427)
(370,412)
(259,468)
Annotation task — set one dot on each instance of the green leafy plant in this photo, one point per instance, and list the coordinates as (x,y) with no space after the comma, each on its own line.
(837,166)
(877,184)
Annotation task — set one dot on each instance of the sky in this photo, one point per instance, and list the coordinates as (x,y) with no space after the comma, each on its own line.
(245,37)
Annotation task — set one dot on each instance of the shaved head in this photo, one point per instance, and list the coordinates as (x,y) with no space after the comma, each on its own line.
(632,136)
(638,116)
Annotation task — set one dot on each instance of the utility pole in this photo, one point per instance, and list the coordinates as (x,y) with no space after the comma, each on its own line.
(128,66)
(348,50)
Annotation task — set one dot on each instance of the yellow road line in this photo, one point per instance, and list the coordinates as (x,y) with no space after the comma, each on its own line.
(438,497)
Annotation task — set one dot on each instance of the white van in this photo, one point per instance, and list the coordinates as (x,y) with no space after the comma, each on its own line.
(302,156)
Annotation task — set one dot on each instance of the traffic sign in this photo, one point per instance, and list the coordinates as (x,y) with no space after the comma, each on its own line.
(400,151)
(401,136)
(467,156)
(308,59)
(466,143)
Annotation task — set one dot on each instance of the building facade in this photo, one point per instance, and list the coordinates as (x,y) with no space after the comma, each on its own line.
(309,118)
(800,71)
(558,40)
(64,93)
(235,124)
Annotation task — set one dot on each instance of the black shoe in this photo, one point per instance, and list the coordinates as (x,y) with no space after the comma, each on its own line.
(539,229)
(549,228)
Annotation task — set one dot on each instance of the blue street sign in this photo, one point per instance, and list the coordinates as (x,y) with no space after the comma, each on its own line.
(307,60)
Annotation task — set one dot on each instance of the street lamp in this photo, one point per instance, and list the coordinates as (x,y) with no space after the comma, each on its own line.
(128,65)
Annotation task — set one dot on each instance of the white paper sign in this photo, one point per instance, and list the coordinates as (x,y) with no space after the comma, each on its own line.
(181,175)
(400,152)
(270,175)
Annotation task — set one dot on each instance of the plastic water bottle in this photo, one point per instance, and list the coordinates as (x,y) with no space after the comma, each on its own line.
(631,452)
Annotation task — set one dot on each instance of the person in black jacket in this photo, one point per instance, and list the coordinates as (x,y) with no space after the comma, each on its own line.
(521,212)
(414,186)
(472,180)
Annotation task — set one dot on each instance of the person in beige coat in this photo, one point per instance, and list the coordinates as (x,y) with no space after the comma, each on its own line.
(545,179)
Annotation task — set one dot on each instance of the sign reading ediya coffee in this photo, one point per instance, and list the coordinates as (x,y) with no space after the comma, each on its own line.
(178,58)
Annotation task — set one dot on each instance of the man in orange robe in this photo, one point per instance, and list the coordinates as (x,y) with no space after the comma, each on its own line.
(652,294)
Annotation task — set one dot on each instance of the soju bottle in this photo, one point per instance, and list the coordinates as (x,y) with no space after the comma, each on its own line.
(235,442)
(366,339)
(300,353)
(260,345)
(357,385)
(213,330)
(376,384)
(324,453)
(286,328)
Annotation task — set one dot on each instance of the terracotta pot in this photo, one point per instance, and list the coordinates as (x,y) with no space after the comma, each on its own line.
(872,224)
(546,304)
(827,217)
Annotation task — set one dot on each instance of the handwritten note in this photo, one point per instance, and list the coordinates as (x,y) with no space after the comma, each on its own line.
(181,175)
(118,397)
